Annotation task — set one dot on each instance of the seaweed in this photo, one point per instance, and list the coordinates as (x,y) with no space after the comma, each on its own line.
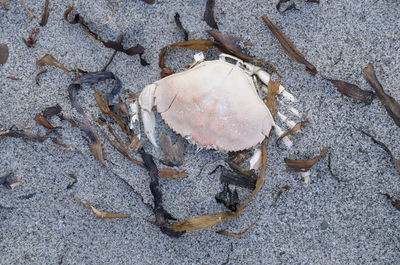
(209,14)
(353,91)
(288,46)
(178,23)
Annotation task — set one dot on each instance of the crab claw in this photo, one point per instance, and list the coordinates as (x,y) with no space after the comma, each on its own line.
(146,102)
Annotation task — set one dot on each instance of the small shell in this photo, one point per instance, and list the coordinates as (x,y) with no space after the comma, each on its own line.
(216,103)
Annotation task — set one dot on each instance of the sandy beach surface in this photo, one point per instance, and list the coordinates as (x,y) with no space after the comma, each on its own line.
(342,218)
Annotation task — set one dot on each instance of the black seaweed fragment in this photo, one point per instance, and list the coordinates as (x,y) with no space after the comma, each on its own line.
(180,26)
(230,177)
(161,215)
(209,14)
(115,45)
(228,198)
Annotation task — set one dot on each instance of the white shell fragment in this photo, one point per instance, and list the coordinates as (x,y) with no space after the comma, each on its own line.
(255,160)
(216,103)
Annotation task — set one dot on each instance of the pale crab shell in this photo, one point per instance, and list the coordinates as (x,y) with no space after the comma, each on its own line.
(216,104)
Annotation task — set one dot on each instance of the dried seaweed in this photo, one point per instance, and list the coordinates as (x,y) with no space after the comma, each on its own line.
(13,77)
(118,144)
(353,91)
(272,93)
(161,215)
(32,38)
(203,221)
(230,177)
(288,46)
(396,161)
(95,143)
(3,53)
(39,118)
(209,14)
(198,44)
(31,15)
(117,46)
(38,74)
(24,135)
(286,6)
(231,44)
(303,165)
(178,23)
(240,234)
(173,153)
(45,14)
(101,214)
(150,2)
(228,198)
(280,191)
(48,59)
(168,173)
(391,105)
(295,128)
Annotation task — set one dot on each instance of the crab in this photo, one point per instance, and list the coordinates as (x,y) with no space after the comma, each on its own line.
(214,104)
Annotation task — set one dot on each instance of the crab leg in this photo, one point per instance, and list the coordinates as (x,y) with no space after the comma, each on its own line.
(146,102)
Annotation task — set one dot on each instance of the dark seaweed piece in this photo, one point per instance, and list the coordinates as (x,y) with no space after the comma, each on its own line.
(230,43)
(353,91)
(286,7)
(313,1)
(228,198)
(150,2)
(3,53)
(230,177)
(391,105)
(209,14)
(117,46)
(24,135)
(95,143)
(161,215)
(179,25)
(38,74)
(288,46)
(32,39)
(52,111)
(280,191)
(396,161)
(92,78)
(28,196)
(45,14)
(395,203)
(73,92)
(138,49)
